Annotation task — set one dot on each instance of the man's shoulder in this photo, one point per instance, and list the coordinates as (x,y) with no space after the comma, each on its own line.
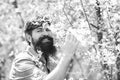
(24,55)
(22,66)
(23,60)
(26,65)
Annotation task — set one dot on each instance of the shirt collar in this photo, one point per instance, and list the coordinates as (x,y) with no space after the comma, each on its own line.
(36,56)
(33,53)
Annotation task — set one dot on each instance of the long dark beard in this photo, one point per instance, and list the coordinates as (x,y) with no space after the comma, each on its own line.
(47,47)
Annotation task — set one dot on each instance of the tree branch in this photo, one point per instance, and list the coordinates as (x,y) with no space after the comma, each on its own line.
(85,14)
(75,59)
(109,20)
(66,14)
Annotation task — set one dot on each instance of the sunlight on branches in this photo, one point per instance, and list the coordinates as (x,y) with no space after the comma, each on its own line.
(95,23)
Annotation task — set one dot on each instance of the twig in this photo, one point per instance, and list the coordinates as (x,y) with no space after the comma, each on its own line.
(108,15)
(70,69)
(22,20)
(104,72)
(76,60)
(109,20)
(111,72)
(85,14)
(66,14)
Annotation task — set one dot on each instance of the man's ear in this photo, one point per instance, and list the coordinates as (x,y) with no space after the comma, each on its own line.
(28,38)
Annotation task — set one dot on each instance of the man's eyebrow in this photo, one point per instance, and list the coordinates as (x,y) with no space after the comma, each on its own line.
(38,28)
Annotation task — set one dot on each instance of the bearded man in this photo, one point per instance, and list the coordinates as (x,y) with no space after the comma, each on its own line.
(38,61)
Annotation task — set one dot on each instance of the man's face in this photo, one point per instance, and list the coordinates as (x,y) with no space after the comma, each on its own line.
(42,39)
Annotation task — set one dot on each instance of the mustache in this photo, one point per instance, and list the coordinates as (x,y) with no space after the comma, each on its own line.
(44,41)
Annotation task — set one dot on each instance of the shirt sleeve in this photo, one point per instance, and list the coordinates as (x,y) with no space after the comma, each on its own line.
(25,69)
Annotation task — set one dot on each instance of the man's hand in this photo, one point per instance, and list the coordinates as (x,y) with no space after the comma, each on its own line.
(68,50)
(70,46)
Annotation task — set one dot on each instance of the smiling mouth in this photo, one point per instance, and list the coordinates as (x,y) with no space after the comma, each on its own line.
(45,40)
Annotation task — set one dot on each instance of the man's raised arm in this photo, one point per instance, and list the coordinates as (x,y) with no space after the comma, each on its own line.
(68,50)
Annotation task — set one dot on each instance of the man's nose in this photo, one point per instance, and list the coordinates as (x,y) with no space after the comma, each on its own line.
(46,32)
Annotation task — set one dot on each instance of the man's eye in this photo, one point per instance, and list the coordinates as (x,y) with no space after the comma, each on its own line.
(47,29)
(39,30)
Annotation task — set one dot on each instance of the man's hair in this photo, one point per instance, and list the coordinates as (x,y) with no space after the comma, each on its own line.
(31,25)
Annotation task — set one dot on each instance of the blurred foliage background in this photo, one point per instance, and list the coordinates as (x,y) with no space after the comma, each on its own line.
(95,23)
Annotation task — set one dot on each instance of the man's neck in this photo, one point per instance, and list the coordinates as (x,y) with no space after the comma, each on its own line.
(33,52)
